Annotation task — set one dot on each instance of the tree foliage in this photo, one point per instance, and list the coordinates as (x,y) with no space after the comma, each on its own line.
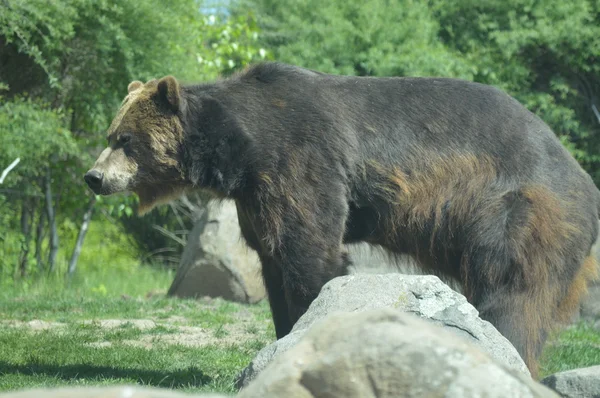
(64,69)
(543,52)
(65,66)
(380,37)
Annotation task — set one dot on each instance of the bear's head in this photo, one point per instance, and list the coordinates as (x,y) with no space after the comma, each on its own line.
(144,146)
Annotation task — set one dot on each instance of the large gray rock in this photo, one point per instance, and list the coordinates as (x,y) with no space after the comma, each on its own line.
(103,392)
(576,383)
(385,353)
(216,262)
(425,296)
(367,259)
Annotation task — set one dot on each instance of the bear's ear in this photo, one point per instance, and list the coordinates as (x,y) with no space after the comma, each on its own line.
(134,85)
(168,91)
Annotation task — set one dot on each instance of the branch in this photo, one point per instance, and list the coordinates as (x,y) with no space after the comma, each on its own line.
(51,222)
(596,112)
(177,216)
(8,169)
(185,212)
(87,216)
(196,209)
(157,251)
(192,207)
(23,194)
(169,234)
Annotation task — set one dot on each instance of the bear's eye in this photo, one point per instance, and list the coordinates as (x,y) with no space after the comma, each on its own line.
(124,138)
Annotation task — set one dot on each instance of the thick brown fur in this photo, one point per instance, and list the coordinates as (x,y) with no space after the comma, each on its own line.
(450,191)
(458,175)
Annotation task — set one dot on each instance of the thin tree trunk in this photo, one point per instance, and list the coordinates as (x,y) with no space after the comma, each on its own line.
(87,216)
(39,238)
(51,223)
(8,169)
(26,223)
(57,195)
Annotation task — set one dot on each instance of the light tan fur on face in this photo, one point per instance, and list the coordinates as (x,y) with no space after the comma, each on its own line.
(151,167)
(118,170)
(134,91)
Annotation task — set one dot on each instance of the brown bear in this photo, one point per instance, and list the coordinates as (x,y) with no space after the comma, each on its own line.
(457,174)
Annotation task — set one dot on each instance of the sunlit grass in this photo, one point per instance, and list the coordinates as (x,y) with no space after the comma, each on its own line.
(110,283)
(73,348)
(77,350)
(576,347)
(49,358)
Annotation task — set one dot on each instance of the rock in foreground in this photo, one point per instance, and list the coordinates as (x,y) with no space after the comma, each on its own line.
(425,296)
(385,353)
(576,383)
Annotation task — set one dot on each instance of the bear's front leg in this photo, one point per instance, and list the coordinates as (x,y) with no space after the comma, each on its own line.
(306,260)
(297,230)
(273,280)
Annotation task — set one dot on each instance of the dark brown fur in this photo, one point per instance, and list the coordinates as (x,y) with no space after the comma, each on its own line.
(448,192)
(456,174)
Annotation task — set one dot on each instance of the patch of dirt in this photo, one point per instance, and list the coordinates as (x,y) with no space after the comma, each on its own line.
(175,320)
(142,324)
(245,328)
(99,344)
(35,324)
(189,336)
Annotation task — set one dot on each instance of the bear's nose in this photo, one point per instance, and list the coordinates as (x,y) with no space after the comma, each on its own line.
(94,180)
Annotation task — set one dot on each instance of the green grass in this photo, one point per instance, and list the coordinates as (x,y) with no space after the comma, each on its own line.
(576,347)
(50,358)
(70,308)
(106,249)
(111,285)
(80,351)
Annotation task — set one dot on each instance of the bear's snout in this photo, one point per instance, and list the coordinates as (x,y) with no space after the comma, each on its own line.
(94,180)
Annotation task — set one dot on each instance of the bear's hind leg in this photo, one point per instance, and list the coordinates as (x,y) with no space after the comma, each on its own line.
(522,258)
(523,317)
(569,304)
(527,313)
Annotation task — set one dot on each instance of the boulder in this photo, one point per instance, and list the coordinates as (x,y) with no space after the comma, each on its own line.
(216,262)
(425,296)
(385,353)
(103,392)
(367,259)
(576,383)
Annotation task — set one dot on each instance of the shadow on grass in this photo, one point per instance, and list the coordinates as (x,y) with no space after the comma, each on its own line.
(190,377)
